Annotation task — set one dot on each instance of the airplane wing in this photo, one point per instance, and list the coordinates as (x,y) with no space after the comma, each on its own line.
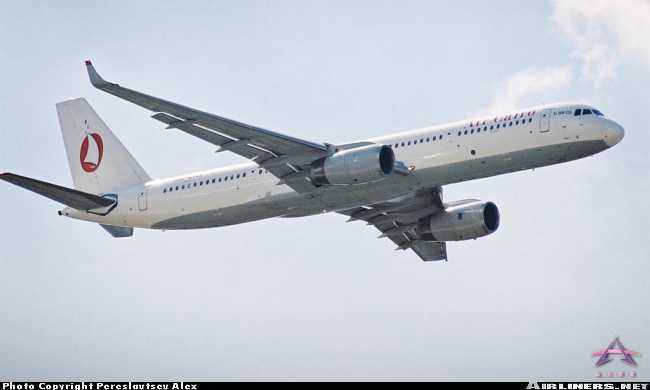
(280,154)
(67,196)
(118,231)
(397,220)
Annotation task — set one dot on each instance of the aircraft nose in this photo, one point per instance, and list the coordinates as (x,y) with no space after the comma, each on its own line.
(614,133)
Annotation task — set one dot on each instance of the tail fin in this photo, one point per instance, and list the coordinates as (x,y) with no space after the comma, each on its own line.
(99,163)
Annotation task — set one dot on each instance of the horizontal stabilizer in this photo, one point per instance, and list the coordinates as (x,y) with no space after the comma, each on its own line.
(118,231)
(69,197)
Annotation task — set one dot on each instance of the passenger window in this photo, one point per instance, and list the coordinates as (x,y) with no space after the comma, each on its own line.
(402,144)
(409,143)
(465,132)
(460,216)
(237,176)
(214,180)
(440,136)
(472,132)
(176,188)
(164,190)
(219,180)
(459,133)
(397,145)
(421,140)
(183,187)
(225,178)
(244,174)
(530,120)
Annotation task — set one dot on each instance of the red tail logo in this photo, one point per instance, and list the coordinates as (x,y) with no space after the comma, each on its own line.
(91,163)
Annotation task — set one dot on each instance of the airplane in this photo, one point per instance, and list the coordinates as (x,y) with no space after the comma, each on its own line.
(392,182)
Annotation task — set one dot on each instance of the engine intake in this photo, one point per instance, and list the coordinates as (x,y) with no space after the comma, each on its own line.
(467,220)
(354,166)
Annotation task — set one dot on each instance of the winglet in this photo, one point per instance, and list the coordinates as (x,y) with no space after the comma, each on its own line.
(95,79)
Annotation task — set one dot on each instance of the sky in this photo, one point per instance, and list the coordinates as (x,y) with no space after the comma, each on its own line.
(316,298)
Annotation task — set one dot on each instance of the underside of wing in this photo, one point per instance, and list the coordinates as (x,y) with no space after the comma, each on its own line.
(398,219)
(282,155)
(118,231)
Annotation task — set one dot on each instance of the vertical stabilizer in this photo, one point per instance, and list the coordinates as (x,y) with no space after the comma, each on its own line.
(99,163)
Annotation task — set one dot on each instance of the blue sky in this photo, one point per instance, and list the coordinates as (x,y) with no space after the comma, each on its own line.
(317,298)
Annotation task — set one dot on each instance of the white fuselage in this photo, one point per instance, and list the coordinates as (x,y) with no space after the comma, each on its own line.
(438,155)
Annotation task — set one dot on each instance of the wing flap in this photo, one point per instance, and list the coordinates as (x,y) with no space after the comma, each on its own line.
(76,199)
(397,219)
(189,127)
(254,143)
(429,250)
(276,142)
(118,231)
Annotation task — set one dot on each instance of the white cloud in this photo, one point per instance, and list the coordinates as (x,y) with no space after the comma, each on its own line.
(528,87)
(604,33)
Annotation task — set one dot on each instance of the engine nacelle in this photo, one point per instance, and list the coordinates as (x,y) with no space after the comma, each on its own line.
(354,166)
(465,221)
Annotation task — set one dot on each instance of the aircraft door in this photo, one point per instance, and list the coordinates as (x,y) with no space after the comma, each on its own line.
(142,201)
(545,121)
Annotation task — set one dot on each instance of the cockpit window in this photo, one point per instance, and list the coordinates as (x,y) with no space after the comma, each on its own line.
(586,111)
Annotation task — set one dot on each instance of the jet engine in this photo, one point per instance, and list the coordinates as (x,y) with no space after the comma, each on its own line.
(354,166)
(466,220)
